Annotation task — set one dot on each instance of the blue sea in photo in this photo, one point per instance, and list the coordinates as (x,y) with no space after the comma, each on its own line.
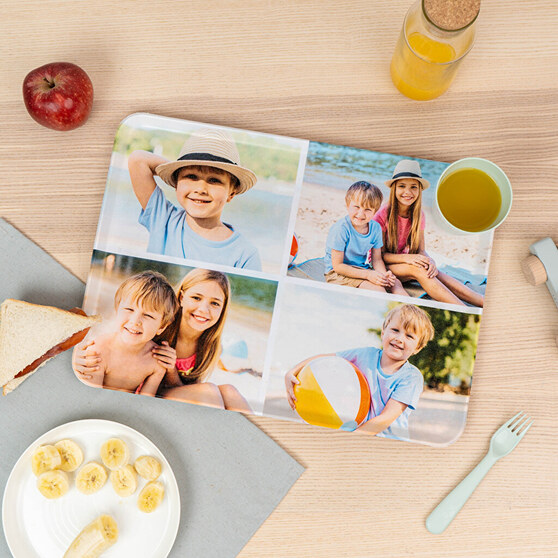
(339,166)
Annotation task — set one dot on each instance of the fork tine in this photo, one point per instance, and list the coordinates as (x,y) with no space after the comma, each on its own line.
(507,424)
(521,422)
(521,434)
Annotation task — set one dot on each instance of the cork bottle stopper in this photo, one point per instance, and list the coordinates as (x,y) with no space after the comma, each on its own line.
(534,270)
(451,15)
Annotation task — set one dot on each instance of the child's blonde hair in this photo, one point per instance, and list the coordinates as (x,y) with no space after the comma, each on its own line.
(209,344)
(153,292)
(413,241)
(413,319)
(368,194)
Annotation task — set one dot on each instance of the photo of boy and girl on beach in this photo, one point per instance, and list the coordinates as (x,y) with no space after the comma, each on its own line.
(192,209)
(157,339)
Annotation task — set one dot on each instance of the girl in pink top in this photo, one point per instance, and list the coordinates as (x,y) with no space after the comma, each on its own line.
(191,356)
(402,221)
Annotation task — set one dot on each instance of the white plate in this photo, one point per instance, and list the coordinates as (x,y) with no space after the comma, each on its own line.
(39,528)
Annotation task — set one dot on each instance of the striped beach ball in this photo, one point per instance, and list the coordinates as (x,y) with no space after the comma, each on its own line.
(333,393)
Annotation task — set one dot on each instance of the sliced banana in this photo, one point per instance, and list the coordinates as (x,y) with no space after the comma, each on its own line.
(148,467)
(94,539)
(91,478)
(46,458)
(71,454)
(53,484)
(124,481)
(151,496)
(115,453)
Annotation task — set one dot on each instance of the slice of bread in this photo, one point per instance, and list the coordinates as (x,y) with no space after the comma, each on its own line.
(29,331)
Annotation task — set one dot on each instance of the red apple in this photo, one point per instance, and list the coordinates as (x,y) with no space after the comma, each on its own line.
(58,95)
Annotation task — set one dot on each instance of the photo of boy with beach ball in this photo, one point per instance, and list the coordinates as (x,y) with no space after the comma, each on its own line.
(416,361)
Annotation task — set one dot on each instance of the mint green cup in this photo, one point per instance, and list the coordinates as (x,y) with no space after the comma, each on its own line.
(492,170)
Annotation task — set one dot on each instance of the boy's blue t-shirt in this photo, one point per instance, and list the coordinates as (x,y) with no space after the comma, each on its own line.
(404,386)
(344,238)
(170,234)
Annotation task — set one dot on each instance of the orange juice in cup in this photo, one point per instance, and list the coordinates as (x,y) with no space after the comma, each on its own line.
(436,36)
(473,196)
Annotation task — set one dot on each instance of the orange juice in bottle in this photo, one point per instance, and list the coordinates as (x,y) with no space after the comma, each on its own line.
(435,37)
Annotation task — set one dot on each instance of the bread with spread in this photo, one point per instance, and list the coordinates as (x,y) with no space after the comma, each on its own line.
(32,334)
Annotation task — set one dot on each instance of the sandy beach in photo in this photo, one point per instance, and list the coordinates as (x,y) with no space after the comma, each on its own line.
(320,206)
(252,326)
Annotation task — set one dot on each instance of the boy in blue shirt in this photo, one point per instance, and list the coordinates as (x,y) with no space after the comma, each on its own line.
(395,384)
(353,238)
(207,175)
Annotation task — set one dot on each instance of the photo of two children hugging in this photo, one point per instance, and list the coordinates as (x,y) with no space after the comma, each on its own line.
(162,342)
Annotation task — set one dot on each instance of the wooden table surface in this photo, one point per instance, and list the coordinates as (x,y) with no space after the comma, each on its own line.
(320,70)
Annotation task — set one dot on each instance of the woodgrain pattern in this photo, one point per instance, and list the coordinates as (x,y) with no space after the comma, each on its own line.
(319,70)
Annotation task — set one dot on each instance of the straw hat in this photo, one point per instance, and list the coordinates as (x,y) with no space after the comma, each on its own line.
(211,147)
(406,168)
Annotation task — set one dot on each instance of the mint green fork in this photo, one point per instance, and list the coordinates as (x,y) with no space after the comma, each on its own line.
(501,443)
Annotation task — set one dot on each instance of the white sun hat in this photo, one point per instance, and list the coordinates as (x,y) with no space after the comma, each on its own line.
(407,168)
(211,147)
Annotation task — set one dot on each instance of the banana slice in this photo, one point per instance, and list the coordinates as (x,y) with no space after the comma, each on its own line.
(124,481)
(71,454)
(115,453)
(94,539)
(91,478)
(46,458)
(53,484)
(148,467)
(151,496)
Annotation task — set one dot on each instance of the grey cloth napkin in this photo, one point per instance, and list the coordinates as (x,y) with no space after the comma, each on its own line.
(230,474)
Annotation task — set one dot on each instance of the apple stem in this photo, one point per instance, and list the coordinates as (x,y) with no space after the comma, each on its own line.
(50,83)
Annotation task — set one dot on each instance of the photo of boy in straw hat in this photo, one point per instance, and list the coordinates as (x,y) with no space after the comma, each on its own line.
(207,175)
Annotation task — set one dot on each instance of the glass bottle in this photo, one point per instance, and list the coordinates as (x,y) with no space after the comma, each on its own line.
(435,37)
